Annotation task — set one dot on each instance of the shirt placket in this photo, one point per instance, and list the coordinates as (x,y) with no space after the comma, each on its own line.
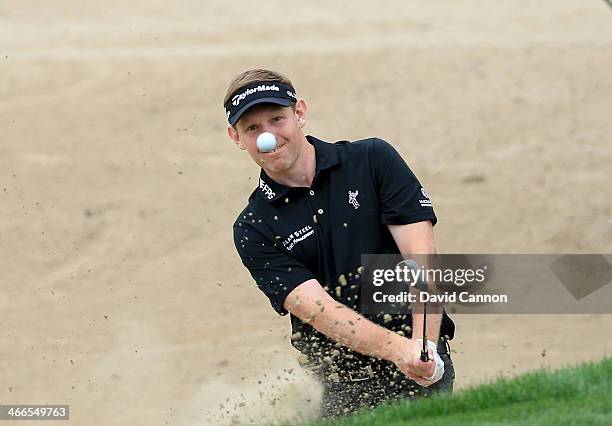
(317,209)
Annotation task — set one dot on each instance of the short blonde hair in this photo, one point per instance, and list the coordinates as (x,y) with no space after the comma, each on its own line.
(252,76)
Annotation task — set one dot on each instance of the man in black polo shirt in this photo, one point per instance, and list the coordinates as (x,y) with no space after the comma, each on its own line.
(317,209)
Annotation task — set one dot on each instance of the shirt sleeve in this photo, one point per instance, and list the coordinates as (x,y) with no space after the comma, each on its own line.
(274,272)
(402,198)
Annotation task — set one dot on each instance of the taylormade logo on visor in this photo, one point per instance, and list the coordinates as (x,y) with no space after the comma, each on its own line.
(261,88)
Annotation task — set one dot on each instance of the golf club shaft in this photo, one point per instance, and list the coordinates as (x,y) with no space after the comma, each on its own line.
(424,353)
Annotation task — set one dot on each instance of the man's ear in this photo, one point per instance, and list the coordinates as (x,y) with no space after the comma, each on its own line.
(233,134)
(301,107)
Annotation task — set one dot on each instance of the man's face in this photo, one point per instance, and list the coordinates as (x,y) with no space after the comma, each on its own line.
(284,123)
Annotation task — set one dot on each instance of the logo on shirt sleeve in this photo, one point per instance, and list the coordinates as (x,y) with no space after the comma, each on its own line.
(425,202)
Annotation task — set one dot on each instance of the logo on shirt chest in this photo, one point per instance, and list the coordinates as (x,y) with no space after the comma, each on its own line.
(295,237)
(352,199)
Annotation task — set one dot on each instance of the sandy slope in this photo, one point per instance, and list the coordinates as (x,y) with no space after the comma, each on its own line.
(122,292)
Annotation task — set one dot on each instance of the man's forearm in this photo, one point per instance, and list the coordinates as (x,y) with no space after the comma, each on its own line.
(417,240)
(312,304)
(342,324)
(434,314)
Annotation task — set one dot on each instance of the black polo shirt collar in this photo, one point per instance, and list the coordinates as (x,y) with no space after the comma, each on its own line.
(326,156)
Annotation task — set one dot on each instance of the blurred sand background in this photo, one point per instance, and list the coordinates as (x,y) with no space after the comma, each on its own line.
(122,294)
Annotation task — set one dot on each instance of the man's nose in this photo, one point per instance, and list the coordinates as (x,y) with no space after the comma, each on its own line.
(268,128)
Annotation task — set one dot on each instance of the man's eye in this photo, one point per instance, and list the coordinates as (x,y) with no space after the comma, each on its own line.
(251,128)
(278,118)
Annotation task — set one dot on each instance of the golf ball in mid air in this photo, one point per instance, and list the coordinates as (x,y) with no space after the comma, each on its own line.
(266,142)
